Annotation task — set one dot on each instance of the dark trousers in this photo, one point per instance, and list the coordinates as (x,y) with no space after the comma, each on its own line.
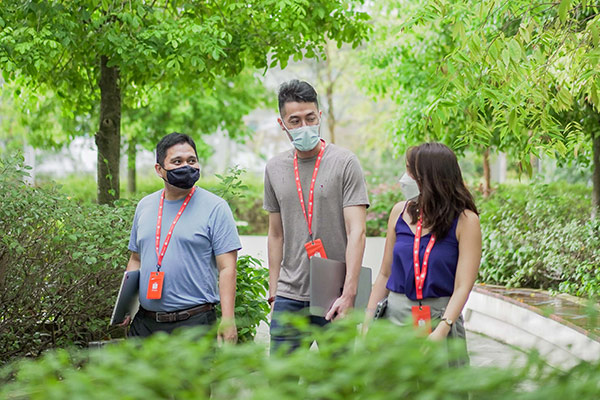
(285,334)
(144,326)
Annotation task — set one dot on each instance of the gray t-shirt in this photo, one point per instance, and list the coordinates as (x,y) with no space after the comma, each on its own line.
(206,229)
(340,183)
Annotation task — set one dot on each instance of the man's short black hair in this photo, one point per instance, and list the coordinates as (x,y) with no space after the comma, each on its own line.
(296,91)
(169,141)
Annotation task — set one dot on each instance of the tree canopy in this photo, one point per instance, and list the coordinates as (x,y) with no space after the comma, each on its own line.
(95,55)
(491,73)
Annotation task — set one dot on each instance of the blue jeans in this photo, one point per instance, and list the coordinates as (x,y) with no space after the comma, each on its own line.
(284,333)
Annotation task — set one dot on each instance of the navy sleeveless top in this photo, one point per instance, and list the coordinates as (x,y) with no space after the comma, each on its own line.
(441,270)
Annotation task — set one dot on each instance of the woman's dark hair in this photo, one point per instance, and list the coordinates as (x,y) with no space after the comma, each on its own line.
(444,195)
(169,141)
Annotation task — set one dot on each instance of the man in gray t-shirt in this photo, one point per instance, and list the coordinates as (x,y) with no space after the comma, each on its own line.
(330,220)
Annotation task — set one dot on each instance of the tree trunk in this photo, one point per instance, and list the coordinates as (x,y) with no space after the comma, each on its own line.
(331,118)
(329,89)
(108,137)
(487,186)
(131,171)
(596,175)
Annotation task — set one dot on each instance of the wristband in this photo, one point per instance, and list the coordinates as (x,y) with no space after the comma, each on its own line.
(271,299)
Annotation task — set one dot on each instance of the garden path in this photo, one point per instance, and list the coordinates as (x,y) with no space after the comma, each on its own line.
(483,351)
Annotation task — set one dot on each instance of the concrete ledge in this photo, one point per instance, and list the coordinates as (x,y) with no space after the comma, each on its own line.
(562,344)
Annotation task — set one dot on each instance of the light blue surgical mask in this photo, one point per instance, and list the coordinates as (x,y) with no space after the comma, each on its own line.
(305,138)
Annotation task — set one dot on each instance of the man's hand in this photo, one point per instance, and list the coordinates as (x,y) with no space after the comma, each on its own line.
(125,322)
(340,307)
(227,332)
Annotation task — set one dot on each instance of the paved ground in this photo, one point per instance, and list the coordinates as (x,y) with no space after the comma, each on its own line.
(483,350)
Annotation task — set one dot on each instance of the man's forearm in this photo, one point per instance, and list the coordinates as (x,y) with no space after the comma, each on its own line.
(275,255)
(134,262)
(227,283)
(354,255)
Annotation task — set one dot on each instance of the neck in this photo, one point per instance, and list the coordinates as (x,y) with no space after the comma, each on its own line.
(175,193)
(310,153)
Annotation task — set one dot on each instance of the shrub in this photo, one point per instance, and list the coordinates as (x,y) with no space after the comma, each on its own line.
(61,263)
(251,292)
(243,192)
(382,199)
(58,263)
(389,363)
(245,197)
(541,236)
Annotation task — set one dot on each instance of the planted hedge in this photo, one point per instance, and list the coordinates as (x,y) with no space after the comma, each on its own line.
(541,236)
(389,363)
(535,235)
(61,264)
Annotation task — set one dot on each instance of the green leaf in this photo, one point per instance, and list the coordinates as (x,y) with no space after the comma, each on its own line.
(512,120)
(515,50)
(594,33)
(594,96)
(563,9)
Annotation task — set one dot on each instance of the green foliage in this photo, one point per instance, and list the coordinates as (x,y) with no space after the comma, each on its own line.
(482,74)
(534,235)
(196,110)
(54,47)
(383,198)
(66,50)
(61,263)
(243,192)
(389,363)
(251,292)
(59,266)
(245,201)
(540,236)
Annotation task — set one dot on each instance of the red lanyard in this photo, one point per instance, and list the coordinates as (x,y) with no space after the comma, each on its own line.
(421,274)
(311,195)
(159,223)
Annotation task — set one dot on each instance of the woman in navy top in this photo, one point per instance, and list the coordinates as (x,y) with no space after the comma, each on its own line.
(431,295)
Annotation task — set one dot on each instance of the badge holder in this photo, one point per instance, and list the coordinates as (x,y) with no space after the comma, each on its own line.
(315,248)
(155,285)
(422,318)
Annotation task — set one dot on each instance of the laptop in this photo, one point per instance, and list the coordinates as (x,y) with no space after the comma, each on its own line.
(127,299)
(327,282)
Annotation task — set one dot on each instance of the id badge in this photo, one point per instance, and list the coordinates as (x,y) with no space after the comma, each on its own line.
(155,285)
(422,318)
(315,248)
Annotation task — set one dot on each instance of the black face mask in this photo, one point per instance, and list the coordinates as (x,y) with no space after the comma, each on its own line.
(183,177)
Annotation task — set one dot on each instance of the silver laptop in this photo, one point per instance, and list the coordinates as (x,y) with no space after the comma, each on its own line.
(127,298)
(327,282)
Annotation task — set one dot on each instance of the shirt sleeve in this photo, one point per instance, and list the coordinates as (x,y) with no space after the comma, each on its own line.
(355,187)
(225,237)
(270,202)
(133,237)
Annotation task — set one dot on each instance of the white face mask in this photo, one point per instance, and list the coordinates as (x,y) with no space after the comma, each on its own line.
(409,187)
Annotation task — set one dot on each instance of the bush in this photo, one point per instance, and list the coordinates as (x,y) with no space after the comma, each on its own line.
(61,263)
(382,198)
(59,266)
(536,235)
(251,292)
(541,236)
(245,197)
(389,363)
(243,192)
